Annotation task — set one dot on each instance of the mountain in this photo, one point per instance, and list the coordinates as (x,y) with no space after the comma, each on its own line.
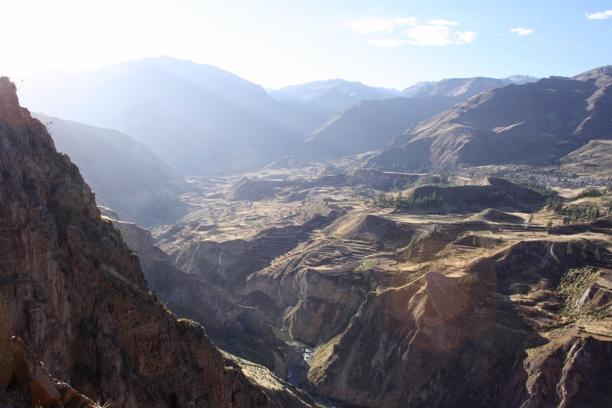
(124,174)
(534,123)
(592,159)
(463,87)
(198,118)
(76,300)
(369,125)
(333,95)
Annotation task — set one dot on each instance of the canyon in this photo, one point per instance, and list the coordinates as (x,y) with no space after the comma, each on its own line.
(451,249)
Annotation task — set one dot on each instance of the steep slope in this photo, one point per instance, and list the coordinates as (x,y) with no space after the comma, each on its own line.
(462,87)
(125,175)
(237,329)
(594,158)
(198,118)
(333,95)
(369,125)
(535,123)
(77,297)
(490,332)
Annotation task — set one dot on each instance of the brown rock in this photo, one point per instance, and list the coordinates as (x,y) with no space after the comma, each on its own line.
(78,298)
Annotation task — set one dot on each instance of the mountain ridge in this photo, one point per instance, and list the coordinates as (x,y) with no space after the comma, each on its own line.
(533,123)
(78,299)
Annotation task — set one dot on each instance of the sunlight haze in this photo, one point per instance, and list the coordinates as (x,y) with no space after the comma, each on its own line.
(279,43)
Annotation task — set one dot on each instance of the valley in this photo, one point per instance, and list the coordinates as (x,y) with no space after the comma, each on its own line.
(339,281)
(173,235)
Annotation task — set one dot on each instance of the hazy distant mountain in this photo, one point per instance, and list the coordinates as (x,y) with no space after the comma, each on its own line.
(534,123)
(197,117)
(370,125)
(463,87)
(333,95)
(125,175)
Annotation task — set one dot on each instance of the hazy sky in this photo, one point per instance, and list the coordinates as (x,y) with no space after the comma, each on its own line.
(274,43)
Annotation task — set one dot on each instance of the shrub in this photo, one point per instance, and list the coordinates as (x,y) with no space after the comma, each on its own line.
(589,192)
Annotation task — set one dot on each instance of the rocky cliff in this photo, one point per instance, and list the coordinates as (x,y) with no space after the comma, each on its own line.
(527,325)
(237,329)
(77,300)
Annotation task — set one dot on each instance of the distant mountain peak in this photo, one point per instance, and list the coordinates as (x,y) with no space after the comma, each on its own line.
(465,87)
(333,95)
(595,73)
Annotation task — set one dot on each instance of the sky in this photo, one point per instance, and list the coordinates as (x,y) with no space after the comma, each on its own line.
(274,43)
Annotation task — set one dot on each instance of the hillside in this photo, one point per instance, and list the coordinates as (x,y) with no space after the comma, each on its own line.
(124,174)
(535,123)
(369,125)
(594,158)
(77,301)
(198,118)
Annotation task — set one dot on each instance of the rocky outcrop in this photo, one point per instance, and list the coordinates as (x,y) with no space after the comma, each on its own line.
(571,371)
(313,291)
(477,336)
(240,330)
(78,299)
(227,264)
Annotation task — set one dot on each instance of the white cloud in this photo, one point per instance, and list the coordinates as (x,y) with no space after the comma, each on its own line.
(465,37)
(406,31)
(386,42)
(522,31)
(437,36)
(369,25)
(443,22)
(601,15)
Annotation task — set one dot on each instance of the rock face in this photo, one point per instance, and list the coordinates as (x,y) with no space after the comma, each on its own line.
(237,329)
(535,123)
(227,264)
(125,175)
(478,336)
(313,290)
(78,299)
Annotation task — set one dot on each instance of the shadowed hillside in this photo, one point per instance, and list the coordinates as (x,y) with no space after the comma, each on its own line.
(198,118)
(125,175)
(535,123)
